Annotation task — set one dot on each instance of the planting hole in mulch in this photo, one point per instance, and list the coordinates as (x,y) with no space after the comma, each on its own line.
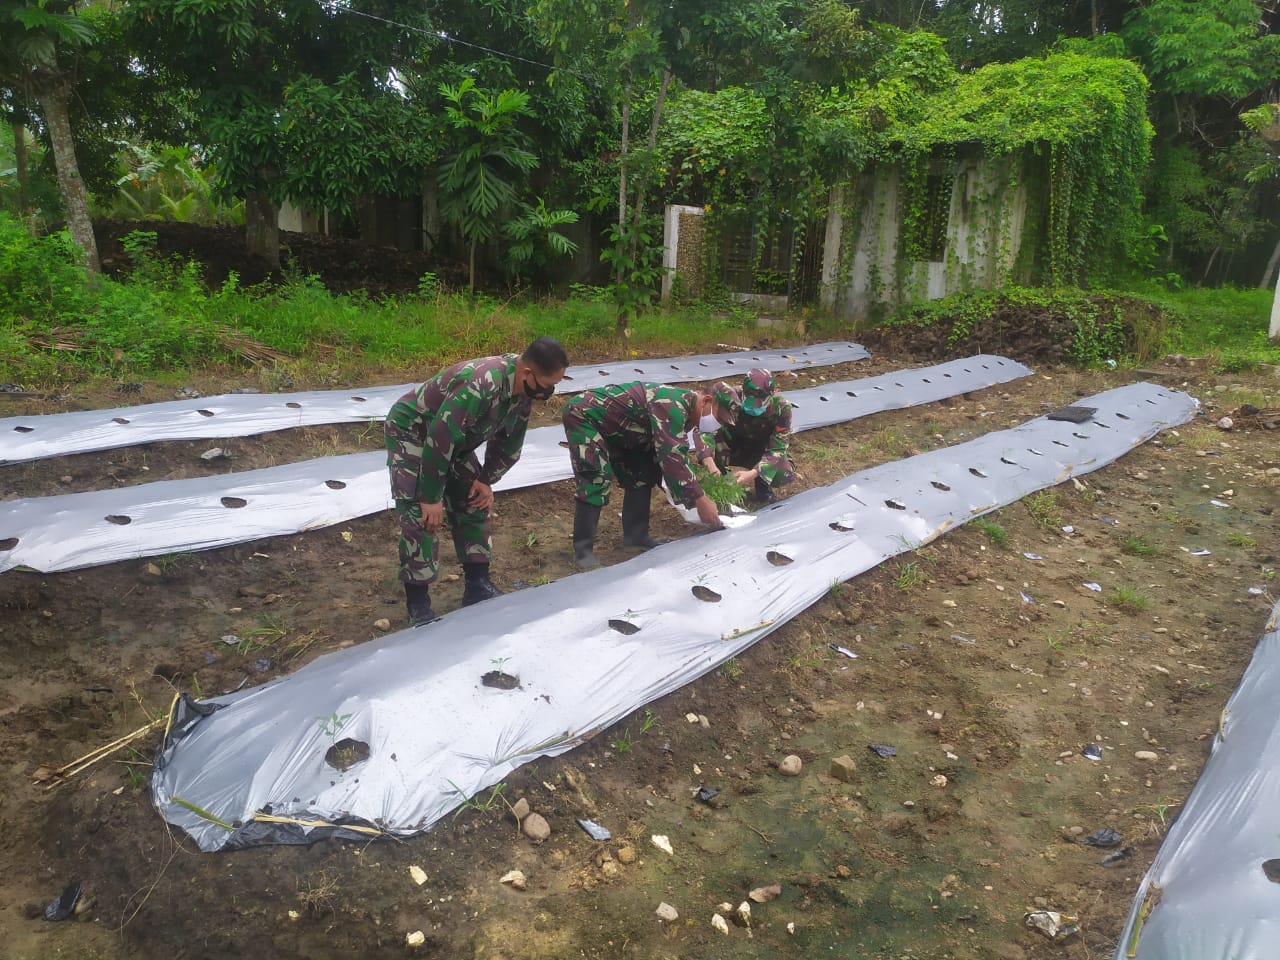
(500,680)
(346,753)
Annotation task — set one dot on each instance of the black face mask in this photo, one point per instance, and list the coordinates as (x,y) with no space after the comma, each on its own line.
(538,391)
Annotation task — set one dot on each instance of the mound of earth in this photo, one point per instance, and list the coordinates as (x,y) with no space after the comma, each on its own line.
(1027,331)
(342,265)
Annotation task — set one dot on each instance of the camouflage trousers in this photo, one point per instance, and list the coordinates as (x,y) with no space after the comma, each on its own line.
(418,549)
(775,470)
(597,462)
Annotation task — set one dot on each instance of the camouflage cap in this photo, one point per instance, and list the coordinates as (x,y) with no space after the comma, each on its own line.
(727,399)
(757,387)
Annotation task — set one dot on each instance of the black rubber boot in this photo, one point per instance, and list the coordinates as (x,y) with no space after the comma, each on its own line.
(479,586)
(764,492)
(585,520)
(418,600)
(635,519)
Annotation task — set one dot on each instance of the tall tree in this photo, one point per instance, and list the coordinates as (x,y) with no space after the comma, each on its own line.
(294,99)
(481,174)
(40,44)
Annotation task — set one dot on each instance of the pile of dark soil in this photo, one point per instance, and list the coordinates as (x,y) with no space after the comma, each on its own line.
(342,265)
(1033,332)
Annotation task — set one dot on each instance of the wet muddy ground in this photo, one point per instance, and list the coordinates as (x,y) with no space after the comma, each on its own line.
(936,852)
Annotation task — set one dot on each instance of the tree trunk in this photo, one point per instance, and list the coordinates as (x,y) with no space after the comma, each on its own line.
(638,209)
(619,247)
(20,172)
(1274,262)
(262,228)
(1208,267)
(53,103)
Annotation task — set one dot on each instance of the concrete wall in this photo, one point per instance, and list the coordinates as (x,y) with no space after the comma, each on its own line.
(862,271)
(684,249)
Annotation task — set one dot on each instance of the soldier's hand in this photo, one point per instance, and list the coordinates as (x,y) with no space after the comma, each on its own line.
(707,511)
(432,516)
(710,464)
(481,495)
(744,477)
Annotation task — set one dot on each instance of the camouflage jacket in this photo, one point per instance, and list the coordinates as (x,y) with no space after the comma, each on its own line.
(771,430)
(456,411)
(637,415)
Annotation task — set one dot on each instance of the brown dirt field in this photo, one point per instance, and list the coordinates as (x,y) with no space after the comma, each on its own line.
(1147,664)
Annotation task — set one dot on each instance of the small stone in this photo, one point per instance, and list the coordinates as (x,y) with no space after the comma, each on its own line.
(909,804)
(1076,831)
(610,869)
(843,768)
(939,781)
(418,874)
(843,872)
(1059,603)
(662,843)
(520,809)
(1146,755)
(691,717)
(67,478)
(514,879)
(742,916)
(948,603)
(152,569)
(415,939)
(719,923)
(704,722)
(535,827)
(294,915)
(216,453)
(1273,471)
(1226,423)
(627,854)
(382,623)
(667,912)
(790,766)
(791,928)
(765,894)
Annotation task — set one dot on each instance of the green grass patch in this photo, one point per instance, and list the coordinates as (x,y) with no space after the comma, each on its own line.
(993,532)
(1135,546)
(58,325)
(1128,598)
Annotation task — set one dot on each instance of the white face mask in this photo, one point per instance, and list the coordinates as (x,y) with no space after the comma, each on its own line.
(708,423)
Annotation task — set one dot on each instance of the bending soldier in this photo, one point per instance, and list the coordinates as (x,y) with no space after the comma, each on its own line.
(638,433)
(758,441)
(432,435)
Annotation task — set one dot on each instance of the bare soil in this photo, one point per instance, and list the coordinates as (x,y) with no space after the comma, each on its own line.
(969,681)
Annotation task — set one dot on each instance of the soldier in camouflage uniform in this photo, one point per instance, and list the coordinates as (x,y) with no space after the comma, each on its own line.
(759,440)
(432,435)
(638,433)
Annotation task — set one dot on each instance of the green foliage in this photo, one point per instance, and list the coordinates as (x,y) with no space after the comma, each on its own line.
(1093,326)
(1128,598)
(1043,507)
(1083,118)
(169,183)
(482,173)
(909,575)
(535,240)
(1211,48)
(722,488)
(43,277)
(1136,546)
(994,532)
